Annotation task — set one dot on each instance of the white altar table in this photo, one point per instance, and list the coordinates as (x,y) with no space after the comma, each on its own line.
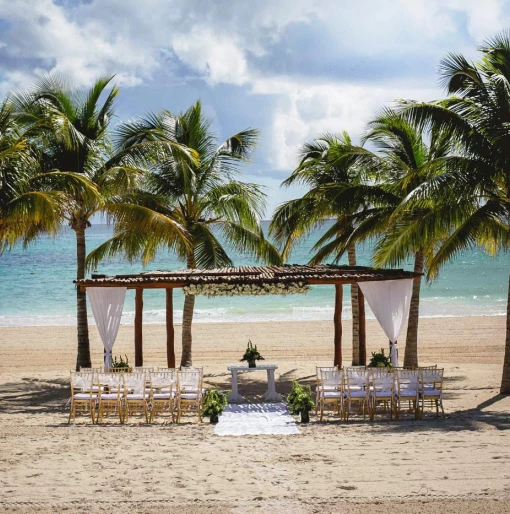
(270,396)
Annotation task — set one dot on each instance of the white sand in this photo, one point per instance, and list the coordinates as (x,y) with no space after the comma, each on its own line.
(461,464)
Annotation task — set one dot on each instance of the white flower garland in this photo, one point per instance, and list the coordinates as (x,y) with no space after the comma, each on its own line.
(211,290)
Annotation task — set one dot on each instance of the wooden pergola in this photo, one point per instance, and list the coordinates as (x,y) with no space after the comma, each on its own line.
(246,275)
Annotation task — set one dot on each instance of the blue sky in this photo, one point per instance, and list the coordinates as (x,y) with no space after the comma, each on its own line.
(293,69)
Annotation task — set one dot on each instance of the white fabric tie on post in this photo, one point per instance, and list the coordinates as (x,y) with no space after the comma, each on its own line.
(107,304)
(390,301)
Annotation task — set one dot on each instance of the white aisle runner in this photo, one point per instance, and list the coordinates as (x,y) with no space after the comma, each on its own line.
(256,419)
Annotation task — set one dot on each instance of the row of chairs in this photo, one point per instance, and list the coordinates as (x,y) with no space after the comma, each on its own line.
(130,369)
(393,388)
(97,394)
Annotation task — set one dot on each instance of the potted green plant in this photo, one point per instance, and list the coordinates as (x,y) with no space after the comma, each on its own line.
(120,364)
(213,404)
(251,355)
(300,401)
(379,360)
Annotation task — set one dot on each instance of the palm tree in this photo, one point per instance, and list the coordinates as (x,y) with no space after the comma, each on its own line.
(203,197)
(324,162)
(476,115)
(23,209)
(68,131)
(31,201)
(407,161)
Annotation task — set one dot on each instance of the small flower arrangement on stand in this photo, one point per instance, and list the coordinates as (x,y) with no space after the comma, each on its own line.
(251,355)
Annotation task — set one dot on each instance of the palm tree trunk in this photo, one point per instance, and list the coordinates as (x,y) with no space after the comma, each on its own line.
(187,319)
(411,352)
(351,255)
(505,380)
(83,356)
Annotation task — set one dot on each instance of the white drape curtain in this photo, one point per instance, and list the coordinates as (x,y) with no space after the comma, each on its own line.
(389,301)
(107,304)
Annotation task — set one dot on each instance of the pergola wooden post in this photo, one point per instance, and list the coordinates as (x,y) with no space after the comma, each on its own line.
(170,334)
(337,320)
(138,327)
(362,329)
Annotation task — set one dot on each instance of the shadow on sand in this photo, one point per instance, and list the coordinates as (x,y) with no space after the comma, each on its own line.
(46,396)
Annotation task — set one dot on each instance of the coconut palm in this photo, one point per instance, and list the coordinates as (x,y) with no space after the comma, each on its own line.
(324,162)
(371,209)
(68,131)
(23,208)
(476,115)
(204,197)
(31,201)
(407,161)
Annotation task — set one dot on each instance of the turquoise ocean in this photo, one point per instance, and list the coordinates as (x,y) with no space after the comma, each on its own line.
(36,287)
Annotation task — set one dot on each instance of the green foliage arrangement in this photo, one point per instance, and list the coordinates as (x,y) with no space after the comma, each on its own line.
(251,354)
(379,360)
(214,403)
(300,401)
(120,363)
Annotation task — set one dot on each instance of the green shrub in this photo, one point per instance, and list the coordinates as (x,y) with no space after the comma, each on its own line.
(299,399)
(379,360)
(214,402)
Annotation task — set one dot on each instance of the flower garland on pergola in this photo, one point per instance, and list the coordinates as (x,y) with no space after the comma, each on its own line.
(213,290)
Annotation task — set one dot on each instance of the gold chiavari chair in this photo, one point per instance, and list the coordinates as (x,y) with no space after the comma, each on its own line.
(357,386)
(331,391)
(406,390)
(382,390)
(431,390)
(318,370)
(135,395)
(189,392)
(83,398)
(110,395)
(163,385)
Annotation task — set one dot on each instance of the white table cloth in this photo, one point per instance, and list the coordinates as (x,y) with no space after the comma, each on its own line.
(270,396)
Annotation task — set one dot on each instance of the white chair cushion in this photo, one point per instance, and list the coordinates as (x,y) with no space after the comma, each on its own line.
(332,394)
(84,396)
(162,396)
(431,392)
(381,394)
(109,396)
(134,397)
(357,394)
(189,396)
(407,393)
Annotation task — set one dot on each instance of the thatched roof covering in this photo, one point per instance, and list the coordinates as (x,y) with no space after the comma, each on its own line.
(319,274)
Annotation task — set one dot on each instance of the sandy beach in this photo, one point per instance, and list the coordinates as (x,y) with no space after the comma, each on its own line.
(460,464)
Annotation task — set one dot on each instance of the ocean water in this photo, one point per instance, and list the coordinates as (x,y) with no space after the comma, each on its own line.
(36,287)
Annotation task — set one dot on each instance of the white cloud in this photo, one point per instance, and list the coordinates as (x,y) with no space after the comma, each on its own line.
(267,48)
(218,59)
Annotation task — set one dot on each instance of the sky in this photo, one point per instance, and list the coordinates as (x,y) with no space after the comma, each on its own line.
(293,69)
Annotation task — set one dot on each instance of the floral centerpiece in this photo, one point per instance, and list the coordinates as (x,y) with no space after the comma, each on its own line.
(251,355)
(211,290)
